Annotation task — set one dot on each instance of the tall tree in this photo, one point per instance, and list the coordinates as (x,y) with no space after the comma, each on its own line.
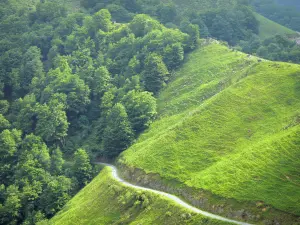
(102,20)
(32,66)
(82,167)
(141,109)
(173,55)
(193,31)
(57,161)
(9,143)
(55,195)
(118,134)
(155,73)
(4,123)
(62,80)
(52,124)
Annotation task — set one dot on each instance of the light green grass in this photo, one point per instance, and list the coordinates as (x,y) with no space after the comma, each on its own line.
(229,124)
(269,28)
(105,201)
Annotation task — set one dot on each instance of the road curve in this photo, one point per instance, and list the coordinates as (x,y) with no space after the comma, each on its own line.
(172,197)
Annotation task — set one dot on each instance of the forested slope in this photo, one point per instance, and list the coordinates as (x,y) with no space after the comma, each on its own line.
(228,124)
(236,22)
(69,80)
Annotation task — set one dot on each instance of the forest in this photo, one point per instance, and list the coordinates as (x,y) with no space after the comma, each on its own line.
(81,84)
(70,79)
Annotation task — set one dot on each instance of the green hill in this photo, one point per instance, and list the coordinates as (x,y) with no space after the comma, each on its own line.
(227,139)
(229,125)
(105,201)
(269,28)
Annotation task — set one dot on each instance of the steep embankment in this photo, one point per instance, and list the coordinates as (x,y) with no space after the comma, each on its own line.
(229,125)
(107,201)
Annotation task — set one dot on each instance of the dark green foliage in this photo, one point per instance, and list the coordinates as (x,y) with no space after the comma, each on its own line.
(118,134)
(141,109)
(284,12)
(9,143)
(102,20)
(25,117)
(61,80)
(239,21)
(48,11)
(57,162)
(52,123)
(28,188)
(4,106)
(193,31)
(31,67)
(10,209)
(167,12)
(55,195)
(143,24)
(82,167)
(229,25)
(4,123)
(277,48)
(156,73)
(119,13)
(101,82)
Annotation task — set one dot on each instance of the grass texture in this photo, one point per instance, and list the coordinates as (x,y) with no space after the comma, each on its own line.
(105,201)
(229,124)
(269,28)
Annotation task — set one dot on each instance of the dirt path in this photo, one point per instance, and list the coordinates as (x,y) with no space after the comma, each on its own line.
(172,197)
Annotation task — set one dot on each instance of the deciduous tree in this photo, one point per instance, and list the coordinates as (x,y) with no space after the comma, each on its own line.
(118,133)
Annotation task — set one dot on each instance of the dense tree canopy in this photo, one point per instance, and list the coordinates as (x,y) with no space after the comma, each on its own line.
(141,109)
(118,134)
(73,79)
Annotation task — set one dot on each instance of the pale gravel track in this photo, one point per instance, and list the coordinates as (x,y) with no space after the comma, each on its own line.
(172,197)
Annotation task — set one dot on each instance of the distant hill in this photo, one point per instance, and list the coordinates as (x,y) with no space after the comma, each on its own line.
(229,125)
(286,13)
(293,3)
(269,28)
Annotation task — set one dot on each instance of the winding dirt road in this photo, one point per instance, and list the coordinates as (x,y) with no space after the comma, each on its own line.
(172,197)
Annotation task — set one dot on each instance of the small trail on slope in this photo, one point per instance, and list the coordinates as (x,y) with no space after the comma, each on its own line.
(172,197)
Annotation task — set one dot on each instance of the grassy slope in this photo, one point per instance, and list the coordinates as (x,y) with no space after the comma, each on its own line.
(269,28)
(105,201)
(228,124)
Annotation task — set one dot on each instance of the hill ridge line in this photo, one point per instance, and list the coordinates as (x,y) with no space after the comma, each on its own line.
(170,196)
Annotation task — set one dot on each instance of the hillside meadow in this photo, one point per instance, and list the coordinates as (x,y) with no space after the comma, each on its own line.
(106,201)
(228,124)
